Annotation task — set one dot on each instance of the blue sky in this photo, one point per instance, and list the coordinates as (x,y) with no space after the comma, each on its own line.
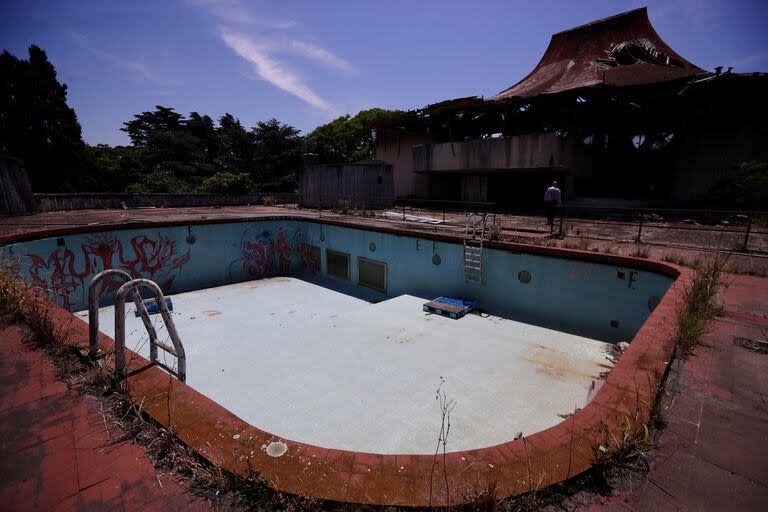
(306,62)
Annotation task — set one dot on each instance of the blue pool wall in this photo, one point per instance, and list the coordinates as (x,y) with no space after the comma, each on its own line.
(597,300)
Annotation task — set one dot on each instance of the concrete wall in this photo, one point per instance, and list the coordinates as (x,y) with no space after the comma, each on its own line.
(396,150)
(363,185)
(60,202)
(411,155)
(15,191)
(524,151)
(535,152)
(586,298)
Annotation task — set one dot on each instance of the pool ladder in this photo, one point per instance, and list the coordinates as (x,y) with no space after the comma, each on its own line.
(473,247)
(132,286)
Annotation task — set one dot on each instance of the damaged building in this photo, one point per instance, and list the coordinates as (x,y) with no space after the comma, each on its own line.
(610,110)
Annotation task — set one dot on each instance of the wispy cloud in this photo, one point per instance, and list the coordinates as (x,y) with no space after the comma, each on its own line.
(272,70)
(235,12)
(138,69)
(320,55)
(278,44)
(263,41)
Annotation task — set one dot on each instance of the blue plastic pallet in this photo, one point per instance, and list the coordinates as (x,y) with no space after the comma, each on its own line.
(451,307)
(151,306)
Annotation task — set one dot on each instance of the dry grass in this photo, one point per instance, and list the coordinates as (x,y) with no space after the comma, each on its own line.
(581,242)
(700,304)
(22,304)
(639,252)
(676,260)
(496,230)
(343,207)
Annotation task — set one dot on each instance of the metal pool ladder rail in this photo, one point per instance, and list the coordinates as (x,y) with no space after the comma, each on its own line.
(473,248)
(133,286)
(94,294)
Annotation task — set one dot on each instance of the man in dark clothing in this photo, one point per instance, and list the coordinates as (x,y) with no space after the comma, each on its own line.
(552,200)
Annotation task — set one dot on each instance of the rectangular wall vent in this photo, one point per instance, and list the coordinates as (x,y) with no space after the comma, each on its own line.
(337,264)
(372,274)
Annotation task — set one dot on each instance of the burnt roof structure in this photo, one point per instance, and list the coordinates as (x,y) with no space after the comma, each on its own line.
(613,74)
(620,50)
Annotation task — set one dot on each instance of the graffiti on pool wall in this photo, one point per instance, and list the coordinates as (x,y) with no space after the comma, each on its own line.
(263,253)
(64,272)
(302,251)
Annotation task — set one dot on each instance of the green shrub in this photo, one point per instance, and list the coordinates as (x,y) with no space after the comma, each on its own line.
(137,188)
(747,188)
(227,183)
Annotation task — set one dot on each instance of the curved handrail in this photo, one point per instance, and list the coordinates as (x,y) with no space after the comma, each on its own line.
(94,295)
(177,349)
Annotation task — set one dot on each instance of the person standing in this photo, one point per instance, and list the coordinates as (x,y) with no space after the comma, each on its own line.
(552,200)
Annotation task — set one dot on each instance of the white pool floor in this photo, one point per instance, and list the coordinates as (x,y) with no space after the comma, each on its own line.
(313,365)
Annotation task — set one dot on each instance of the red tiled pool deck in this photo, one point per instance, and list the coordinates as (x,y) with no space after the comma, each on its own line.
(712,451)
(56,452)
(717,417)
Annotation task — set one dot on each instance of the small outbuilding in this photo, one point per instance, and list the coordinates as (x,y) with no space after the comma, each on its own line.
(367,184)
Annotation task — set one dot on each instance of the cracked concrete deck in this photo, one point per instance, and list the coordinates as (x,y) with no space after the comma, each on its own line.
(56,452)
(712,453)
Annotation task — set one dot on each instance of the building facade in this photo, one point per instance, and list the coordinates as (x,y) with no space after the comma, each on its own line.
(610,111)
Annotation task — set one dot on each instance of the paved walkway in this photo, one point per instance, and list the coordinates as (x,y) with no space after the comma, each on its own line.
(713,450)
(55,450)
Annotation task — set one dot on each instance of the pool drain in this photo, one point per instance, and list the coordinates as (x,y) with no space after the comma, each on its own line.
(276,449)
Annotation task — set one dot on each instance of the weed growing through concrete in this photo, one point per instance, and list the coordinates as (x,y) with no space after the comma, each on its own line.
(343,206)
(446,408)
(676,260)
(699,304)
(496,230)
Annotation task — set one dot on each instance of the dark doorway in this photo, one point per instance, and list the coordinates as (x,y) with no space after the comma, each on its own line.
(521,190)
(445,187)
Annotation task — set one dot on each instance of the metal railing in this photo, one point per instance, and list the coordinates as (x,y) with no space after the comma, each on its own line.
(176,350)
(721,229)
(694,228)
(94,295)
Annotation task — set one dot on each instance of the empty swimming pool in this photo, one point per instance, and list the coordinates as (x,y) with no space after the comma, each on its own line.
(321,367)
(315,332)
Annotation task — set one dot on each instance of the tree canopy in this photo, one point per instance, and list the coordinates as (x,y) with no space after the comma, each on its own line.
(348,139)
(169,152)
(37,125)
